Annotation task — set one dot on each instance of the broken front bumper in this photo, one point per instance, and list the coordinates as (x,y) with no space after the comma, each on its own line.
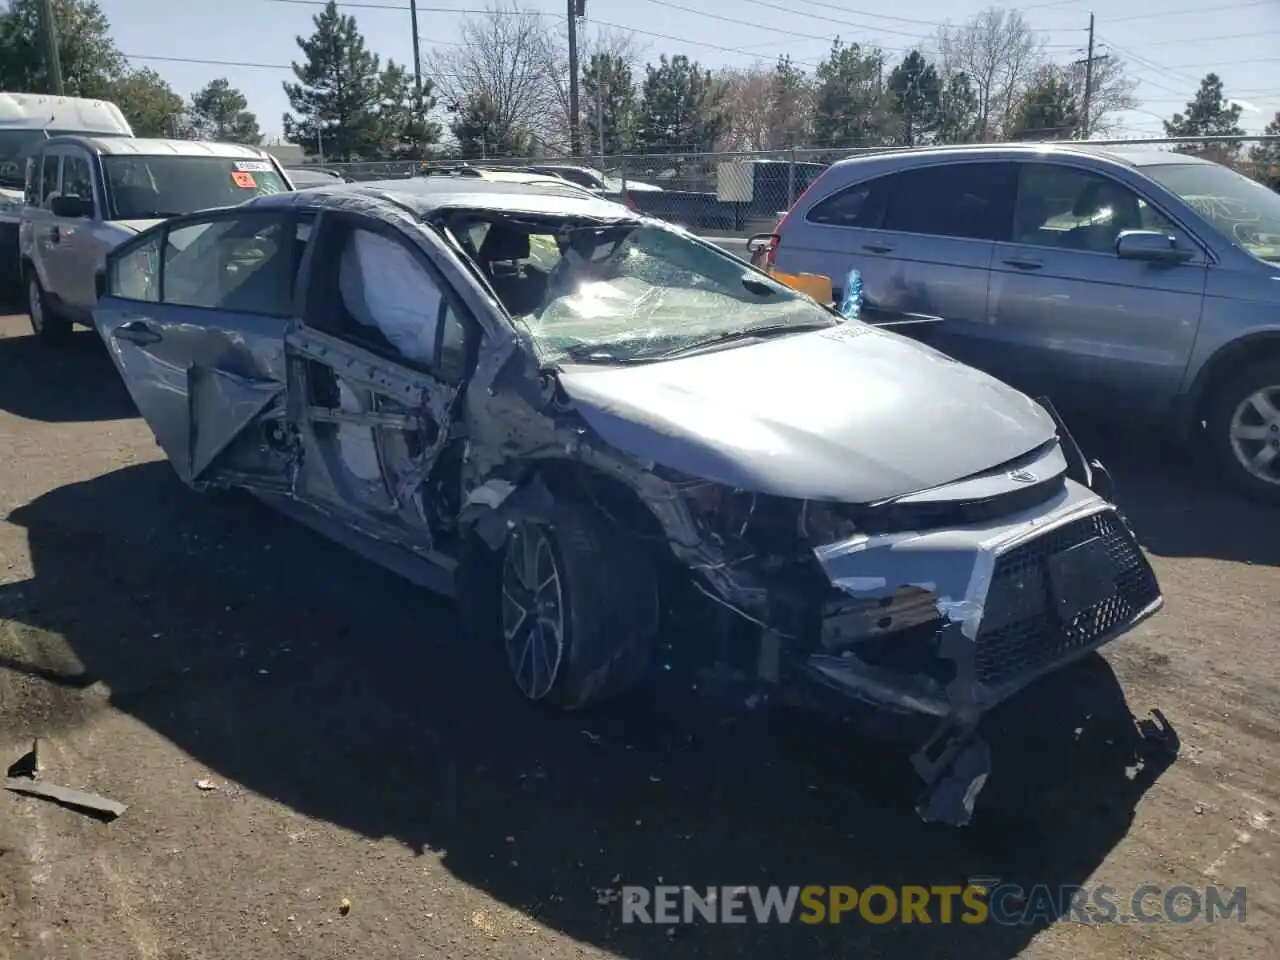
(990,607)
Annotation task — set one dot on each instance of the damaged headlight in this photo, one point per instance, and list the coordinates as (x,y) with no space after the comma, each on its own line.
(768,524)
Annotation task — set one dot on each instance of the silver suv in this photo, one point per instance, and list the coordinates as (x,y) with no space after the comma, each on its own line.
(1134,283)
(87,194)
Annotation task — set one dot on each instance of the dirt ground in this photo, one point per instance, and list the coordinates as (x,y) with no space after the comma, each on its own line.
(152,638)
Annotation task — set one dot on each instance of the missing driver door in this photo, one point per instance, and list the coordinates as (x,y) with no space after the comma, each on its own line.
(370,392)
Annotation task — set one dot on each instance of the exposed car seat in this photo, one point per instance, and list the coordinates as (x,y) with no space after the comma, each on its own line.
(520,289)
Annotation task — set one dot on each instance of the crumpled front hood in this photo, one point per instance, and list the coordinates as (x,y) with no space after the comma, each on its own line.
(850,414)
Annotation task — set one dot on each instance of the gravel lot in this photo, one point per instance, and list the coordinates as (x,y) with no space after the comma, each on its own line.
(152,638)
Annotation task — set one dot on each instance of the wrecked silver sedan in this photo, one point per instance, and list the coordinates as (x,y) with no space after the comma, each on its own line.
(584,424)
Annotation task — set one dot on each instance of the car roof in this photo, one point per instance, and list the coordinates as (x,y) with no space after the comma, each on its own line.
(148,147)
(38,111)
(1133,155)
(425,195)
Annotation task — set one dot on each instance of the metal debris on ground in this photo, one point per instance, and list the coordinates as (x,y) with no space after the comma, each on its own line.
(76,799)
(22,779)
(206,783)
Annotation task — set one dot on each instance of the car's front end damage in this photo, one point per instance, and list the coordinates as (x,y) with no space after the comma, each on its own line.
(927,598)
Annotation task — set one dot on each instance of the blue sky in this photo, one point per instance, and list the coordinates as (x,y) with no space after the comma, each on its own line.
(1168,44)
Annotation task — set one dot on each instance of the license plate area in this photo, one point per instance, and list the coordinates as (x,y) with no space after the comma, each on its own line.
(1080,578)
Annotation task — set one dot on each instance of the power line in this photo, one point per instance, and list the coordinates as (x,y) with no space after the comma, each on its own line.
(1177,13)
(745,23)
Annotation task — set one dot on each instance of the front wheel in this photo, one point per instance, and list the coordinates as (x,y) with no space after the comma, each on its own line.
(577,607)
(1244,430)
(45,323)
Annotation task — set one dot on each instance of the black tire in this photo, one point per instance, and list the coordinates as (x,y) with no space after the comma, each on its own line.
(1228,402)
(46,323)
(609,600)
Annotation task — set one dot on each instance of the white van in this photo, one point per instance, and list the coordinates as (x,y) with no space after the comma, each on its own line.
(25,120)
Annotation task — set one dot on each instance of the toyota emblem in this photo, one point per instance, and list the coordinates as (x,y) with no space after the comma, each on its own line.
(1022,476)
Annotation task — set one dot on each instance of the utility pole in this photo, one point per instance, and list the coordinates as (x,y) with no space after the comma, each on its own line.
(1087,100)
(49,34)
(577,8)
(417,65)
(417,56)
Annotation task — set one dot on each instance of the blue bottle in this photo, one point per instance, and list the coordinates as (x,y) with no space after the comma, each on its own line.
(851,302)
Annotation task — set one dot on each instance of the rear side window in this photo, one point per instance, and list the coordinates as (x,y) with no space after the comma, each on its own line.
(861,205)
(965,200)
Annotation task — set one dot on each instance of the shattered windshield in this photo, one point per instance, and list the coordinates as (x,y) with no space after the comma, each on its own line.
(634,292)
(1247,213)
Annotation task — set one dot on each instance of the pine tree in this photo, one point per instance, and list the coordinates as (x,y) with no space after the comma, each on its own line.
(221,112)
(481,131)
(850,109)
(1048,110)
(1208,115)
(336,97)
(609,99)
(957,110)
(917,94)
(681,107)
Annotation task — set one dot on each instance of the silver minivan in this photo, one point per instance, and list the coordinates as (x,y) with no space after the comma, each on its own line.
(85,195)
(1136,283)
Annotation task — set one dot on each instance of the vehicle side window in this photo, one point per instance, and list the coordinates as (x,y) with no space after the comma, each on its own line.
(135,274)
(966,200)
(241,264)
(1074,209)
(861,205)
(48,178)
(77,177)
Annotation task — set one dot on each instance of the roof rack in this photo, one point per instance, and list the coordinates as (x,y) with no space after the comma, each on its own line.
(458,170)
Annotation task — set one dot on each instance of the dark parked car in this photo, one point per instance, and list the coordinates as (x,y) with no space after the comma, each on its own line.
(589,426)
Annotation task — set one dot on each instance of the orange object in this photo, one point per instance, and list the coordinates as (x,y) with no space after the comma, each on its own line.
(814,284)
(243,179)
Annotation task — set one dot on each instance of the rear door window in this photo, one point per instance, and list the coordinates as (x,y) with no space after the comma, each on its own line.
(964,200)
(861,205)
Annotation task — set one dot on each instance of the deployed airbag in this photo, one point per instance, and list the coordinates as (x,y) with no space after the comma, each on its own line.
(385,287)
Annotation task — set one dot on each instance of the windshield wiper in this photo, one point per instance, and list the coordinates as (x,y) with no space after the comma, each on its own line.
(150,215)
(744,333)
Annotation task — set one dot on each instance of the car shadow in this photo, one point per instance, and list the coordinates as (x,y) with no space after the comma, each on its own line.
(285,664)
(71,381)
(1177,506)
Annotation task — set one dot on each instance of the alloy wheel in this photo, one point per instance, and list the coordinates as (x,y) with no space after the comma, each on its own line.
(1255,434)
(533,614)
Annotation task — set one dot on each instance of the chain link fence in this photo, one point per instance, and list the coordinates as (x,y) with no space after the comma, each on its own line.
(738,194)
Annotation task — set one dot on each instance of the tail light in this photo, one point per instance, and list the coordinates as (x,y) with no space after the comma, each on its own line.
(772,255)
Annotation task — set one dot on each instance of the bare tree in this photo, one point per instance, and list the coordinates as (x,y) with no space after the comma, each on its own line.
(1111,94)
(500,62)
(749,96)
(1000,52)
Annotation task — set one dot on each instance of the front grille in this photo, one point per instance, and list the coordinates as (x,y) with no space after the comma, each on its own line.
(1022,629)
